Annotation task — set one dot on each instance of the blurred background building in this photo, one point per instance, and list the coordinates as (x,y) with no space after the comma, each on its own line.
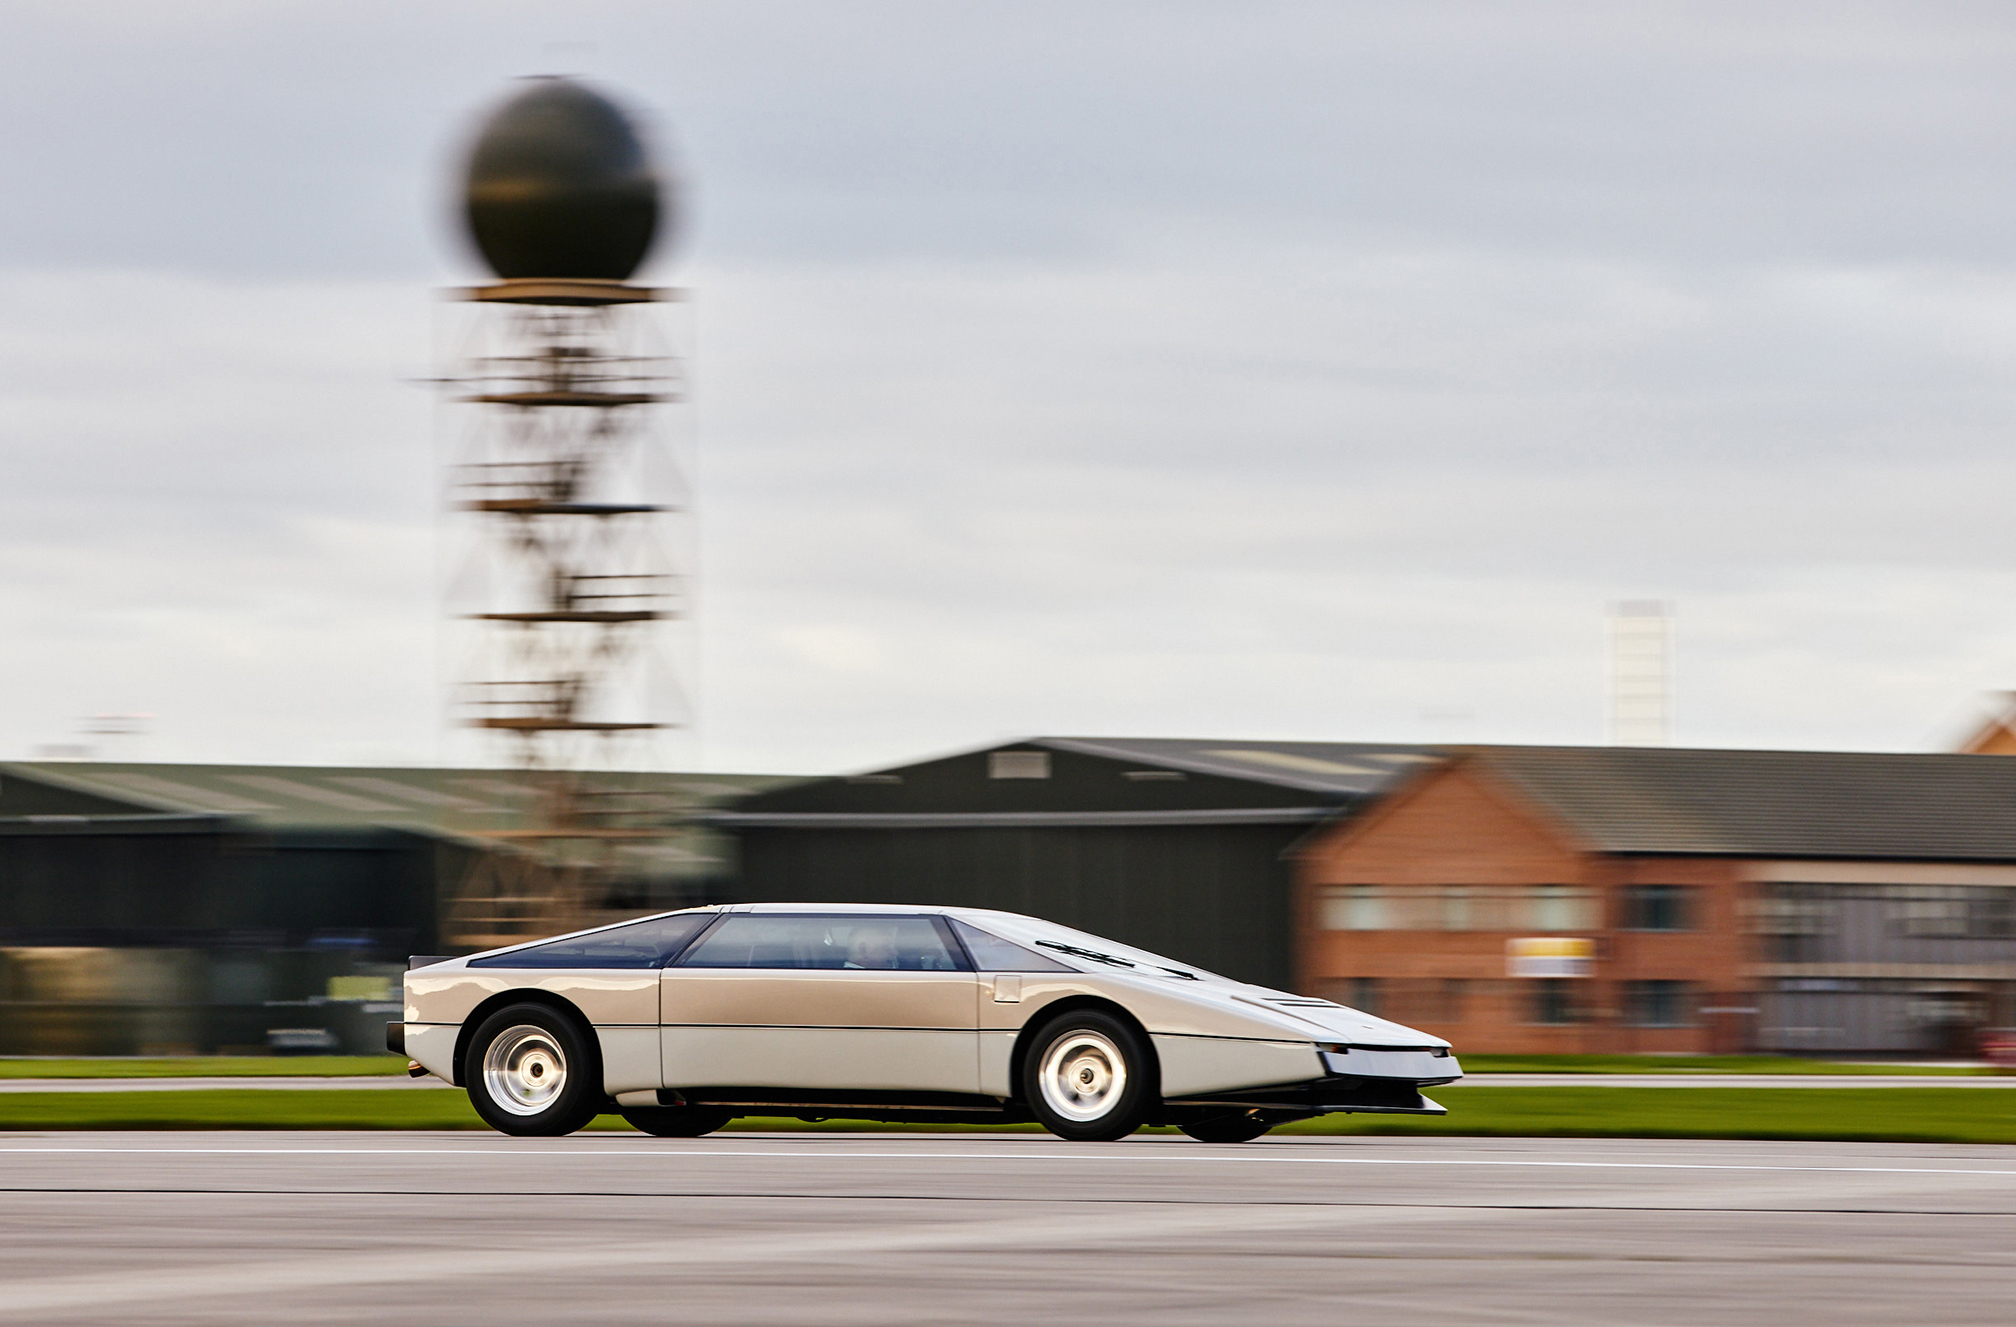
(155,909)
(1519,899)
(1604,900)
(1176,846)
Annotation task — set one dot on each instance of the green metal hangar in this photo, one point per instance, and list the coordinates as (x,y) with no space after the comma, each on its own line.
(1174,845)
(159,908)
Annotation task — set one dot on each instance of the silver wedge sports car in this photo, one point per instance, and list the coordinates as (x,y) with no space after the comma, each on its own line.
(683,1021)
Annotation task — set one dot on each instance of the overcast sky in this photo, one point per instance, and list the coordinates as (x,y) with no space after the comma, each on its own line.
(1242,369)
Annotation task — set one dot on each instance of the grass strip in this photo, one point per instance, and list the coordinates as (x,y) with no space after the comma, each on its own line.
(1694,1064)
(208,1066)
(1847,1114)
(1909,1114)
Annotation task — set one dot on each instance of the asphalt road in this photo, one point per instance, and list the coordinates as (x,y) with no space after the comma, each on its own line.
(755,1229)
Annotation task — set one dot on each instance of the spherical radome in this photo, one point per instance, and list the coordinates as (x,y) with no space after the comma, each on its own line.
(560,186)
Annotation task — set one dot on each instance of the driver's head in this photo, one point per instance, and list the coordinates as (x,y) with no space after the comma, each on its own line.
(872,947)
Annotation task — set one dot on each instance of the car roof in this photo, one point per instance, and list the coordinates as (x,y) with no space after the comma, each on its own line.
(825,909)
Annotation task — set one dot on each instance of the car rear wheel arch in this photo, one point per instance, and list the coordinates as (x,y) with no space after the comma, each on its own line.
(558,1003)
(1070,1004)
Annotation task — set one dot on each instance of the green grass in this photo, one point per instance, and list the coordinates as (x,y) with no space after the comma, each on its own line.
(249,1108)
(208,1066)
(1929,1115)
(1880,1114)
(1691,1064)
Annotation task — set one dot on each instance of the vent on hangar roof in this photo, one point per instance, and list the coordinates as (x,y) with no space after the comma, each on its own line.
(207,799)
(1300,764)
(308,792)
(1018,764)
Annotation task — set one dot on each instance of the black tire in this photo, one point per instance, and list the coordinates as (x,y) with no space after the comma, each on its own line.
(677,1121)
(1089,1077)
(534,1072)
(1238,1127)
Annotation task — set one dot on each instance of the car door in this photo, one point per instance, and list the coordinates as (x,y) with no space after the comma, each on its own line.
(858,1002)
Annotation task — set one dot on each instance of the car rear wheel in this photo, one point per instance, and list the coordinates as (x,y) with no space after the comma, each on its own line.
(532,1071)
(1240,1127)
(677,1121)
(1089,1078)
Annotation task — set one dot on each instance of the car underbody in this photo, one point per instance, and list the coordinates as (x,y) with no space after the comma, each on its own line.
(1332,1095)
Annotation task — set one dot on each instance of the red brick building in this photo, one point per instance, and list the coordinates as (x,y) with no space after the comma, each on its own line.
(1710,901)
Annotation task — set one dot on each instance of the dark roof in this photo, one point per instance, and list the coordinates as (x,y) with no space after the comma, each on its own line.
(470,806)
(1349,768)
(451,802)
(1771,803)
(1093,780)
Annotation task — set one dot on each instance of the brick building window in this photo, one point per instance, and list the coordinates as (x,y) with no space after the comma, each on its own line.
(1658,908)
(1795,920)
(1953,912)
(1353,908)
(1364,994)
(1554,1000)
(1658,1004)
(1560,908)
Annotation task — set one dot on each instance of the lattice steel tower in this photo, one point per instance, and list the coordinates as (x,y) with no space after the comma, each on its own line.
(565,374)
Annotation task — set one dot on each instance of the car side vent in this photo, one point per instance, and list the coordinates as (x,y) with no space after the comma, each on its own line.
(1018,764)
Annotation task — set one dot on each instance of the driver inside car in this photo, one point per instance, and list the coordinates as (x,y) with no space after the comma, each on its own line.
(872,947)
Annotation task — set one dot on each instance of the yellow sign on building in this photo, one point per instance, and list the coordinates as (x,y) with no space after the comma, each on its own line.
(1550,956)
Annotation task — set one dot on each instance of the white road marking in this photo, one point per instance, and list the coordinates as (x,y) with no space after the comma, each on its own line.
(1185,1158)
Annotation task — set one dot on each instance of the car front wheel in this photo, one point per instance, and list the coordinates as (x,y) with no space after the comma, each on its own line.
(532,1071)
(1089,1078)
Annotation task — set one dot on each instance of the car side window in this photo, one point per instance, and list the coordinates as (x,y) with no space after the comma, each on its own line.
(645,944)
(993,954)
(772,940)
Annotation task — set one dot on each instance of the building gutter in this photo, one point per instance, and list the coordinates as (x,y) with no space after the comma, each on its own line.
(166,823)
(1257,815)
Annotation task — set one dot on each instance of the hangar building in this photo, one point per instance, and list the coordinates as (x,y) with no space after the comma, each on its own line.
(162,908)
(1173,845)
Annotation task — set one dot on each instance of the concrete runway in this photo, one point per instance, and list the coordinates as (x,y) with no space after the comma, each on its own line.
(819,1229)
(1477,1080)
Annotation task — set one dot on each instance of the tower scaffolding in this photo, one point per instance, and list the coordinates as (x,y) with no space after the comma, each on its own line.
(570,582)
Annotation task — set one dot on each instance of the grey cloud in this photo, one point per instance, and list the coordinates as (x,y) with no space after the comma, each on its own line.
(1277,369)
